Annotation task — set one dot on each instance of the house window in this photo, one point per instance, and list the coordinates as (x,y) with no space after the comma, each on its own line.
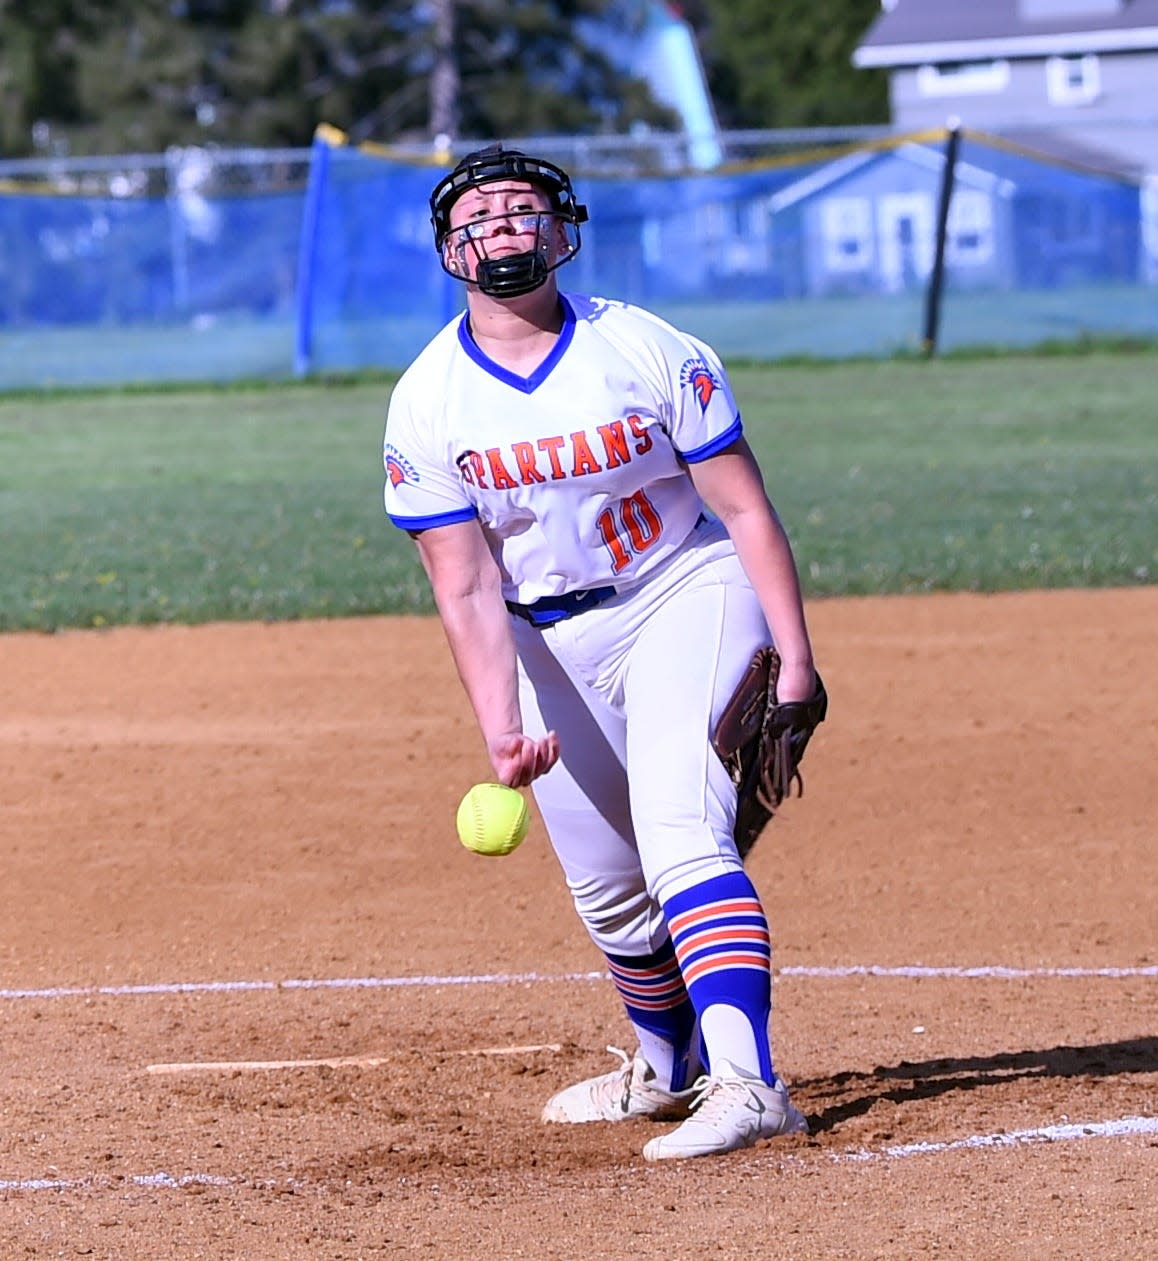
(847,226)
(969,232)
(1073,80)
(963,78)
(735,236)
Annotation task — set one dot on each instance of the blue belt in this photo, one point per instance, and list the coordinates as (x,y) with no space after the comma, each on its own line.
(554,608)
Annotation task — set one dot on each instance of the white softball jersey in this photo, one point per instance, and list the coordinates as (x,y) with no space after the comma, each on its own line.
(578,473)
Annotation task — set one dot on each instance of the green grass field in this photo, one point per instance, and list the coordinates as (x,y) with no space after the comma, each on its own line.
(204,504)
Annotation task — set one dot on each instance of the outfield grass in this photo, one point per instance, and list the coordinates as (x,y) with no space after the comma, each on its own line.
(203,504)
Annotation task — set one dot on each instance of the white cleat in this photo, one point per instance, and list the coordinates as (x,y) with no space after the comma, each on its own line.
(621,1095)
(731,1111)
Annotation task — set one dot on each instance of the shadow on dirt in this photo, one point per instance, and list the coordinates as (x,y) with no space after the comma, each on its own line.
(853,1094)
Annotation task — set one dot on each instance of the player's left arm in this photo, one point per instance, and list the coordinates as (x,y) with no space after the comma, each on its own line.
(732,486)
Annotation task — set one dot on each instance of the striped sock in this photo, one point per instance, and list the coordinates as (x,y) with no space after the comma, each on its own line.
(658,1005)
(724,949)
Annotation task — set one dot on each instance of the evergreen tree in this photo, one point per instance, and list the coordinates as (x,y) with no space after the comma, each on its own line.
(106,76)
(41,50)
(788,63)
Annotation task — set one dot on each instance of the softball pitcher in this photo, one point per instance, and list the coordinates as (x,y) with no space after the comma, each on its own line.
(605,561)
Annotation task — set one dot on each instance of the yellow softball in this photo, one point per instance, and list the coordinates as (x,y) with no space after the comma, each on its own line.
(492,819)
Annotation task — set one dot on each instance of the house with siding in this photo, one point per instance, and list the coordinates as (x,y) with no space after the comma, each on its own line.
(1076,78)
(866,222)
(1056,182)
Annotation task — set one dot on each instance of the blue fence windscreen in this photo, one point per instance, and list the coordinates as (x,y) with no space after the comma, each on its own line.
(825,254)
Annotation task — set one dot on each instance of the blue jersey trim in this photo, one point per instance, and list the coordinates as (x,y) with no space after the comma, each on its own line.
(730,435)
(528,385)
(439,518)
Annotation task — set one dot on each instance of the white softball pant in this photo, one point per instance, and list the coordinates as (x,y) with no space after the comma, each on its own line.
(639,806)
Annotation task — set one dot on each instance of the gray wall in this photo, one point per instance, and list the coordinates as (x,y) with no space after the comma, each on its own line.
(1123,120)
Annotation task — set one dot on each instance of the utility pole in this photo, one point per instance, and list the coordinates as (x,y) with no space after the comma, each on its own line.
(933,297)
(444,81)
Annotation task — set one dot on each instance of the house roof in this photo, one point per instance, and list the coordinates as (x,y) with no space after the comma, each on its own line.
(1055,144)
(920,155)
(920,32)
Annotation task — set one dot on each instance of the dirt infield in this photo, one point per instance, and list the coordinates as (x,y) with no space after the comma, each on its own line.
(258,1002)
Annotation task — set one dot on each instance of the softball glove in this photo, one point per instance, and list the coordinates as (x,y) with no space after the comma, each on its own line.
(761,742)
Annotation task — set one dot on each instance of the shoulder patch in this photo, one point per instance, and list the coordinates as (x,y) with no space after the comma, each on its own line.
(398,467)
(697,376)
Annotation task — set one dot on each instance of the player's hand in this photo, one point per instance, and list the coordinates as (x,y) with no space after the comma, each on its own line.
(517,759)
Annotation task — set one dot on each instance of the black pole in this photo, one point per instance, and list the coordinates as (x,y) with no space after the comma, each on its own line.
(937,276)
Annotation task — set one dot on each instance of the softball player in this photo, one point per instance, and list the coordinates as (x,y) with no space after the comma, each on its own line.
(605,561)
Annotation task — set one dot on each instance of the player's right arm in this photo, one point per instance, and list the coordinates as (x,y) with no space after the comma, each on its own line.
(468,593)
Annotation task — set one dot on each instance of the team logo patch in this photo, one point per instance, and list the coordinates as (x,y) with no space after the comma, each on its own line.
(470,466)
(696,374)
(398,467)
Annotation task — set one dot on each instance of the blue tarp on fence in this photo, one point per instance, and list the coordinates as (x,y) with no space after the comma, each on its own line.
(825,254)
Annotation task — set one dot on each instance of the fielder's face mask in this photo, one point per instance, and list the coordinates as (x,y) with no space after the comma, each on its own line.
(554,232)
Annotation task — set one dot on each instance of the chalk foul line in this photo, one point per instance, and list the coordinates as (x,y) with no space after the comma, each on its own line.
(164,1181)
(332,1061)
(1123,1127)
(297,983)
(982,972)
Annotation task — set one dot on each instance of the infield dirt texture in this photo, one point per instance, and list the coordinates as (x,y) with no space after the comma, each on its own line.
(205,832)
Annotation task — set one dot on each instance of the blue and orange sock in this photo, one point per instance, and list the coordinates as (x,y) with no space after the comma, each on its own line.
(657,1003)
(721,940)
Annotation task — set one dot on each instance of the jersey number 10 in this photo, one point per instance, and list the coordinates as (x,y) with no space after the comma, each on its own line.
(631,526)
